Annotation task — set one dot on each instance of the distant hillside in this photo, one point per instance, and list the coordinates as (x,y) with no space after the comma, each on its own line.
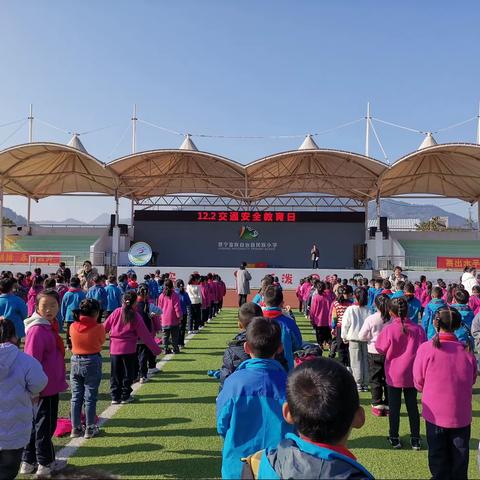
(396,209)
(17,219)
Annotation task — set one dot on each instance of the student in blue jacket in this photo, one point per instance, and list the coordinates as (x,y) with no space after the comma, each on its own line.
(12,307)
(414,304)
(98,293)
(114,295)
(70,302)
(461,304)
(291,335)
(431,310)
(323,405)
(249,407)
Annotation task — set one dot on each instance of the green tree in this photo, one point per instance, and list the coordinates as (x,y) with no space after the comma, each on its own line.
(432,225)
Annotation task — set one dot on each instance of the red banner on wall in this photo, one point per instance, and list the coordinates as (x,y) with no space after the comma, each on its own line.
(457,263)
(43,258)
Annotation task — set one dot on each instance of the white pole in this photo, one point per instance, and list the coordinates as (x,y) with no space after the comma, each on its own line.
(30,140)
(367,236)
(29,209)
(478,216)
(134,129)
(117,207)
(2,243)
(30,125)
(367,132)
(132,213)
(478,125)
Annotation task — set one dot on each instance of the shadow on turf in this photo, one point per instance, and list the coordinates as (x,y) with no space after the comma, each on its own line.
(198,467)
(159,433)
(156,398)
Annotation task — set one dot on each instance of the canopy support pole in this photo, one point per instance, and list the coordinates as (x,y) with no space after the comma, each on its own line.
(478,125)
(478,217)
(29,210)
(367,131)
(367,236)
(2,231)
(116,234)
(134,129)
(30,124)
(132,211)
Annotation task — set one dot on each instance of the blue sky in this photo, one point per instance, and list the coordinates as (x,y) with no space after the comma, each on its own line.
(235,68)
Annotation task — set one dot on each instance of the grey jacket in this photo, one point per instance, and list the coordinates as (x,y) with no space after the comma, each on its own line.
(243,282)
(21,378)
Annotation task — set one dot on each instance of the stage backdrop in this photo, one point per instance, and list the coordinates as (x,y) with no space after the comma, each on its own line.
(225,239)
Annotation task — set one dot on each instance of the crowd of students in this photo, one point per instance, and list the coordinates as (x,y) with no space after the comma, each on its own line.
(392,337)
(37,310)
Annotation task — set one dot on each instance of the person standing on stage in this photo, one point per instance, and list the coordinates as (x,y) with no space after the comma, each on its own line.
(314,254)
(243,284)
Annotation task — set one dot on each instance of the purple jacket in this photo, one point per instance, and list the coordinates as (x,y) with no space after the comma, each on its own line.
(446,376)
(41,344)
(31,297)
(400,349)
(320,310)
(21,378)
(124,336)
(171,310)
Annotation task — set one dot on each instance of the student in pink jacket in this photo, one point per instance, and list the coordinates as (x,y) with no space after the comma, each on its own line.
(474,301)
(369,333)
(399,342)
(44,343)
(445,372)
(298,294)
(126,326)
(319,314)
(172,314)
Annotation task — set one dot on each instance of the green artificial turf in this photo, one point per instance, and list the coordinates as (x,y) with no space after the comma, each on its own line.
(170,432)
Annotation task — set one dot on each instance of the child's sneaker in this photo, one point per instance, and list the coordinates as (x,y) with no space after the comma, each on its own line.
(415,443)
(130,399)
(27,468)
(91,432)
(115,402)
(76,432)
(378,410)
(144,380)
(395,442)
(45,471)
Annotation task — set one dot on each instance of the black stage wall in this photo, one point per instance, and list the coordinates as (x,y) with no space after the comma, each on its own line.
(223,239)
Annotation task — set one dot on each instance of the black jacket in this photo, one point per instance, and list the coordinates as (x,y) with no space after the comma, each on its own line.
(234,355)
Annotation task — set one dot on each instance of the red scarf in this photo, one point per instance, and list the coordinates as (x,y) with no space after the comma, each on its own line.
(58,338)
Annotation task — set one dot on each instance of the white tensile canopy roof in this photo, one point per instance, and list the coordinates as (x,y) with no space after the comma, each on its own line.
(331,172)
(163,172)
(38,170)
(449,170)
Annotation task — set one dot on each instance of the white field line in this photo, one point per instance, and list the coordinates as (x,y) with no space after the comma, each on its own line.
(75,443)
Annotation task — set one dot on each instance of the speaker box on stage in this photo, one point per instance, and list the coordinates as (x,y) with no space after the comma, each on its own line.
(123,228)
(112,220)
(372,232)
(384,226)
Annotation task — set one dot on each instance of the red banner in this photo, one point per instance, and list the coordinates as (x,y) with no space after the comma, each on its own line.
(457,263)
(44,258)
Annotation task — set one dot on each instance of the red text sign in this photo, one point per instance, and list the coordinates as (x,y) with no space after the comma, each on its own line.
(457,263)
(269,217)
(45,258)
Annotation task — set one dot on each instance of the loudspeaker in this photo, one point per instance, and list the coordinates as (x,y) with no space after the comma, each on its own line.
(123,228)
(384,227)
(112,220)
(372,232)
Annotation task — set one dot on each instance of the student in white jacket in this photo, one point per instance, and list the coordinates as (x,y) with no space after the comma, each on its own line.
(352,323)
(195,296)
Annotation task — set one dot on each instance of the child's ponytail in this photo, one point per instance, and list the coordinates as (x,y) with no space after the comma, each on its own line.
(447,319)
(399,307)
(168,288)
(128,312)
(382,302)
